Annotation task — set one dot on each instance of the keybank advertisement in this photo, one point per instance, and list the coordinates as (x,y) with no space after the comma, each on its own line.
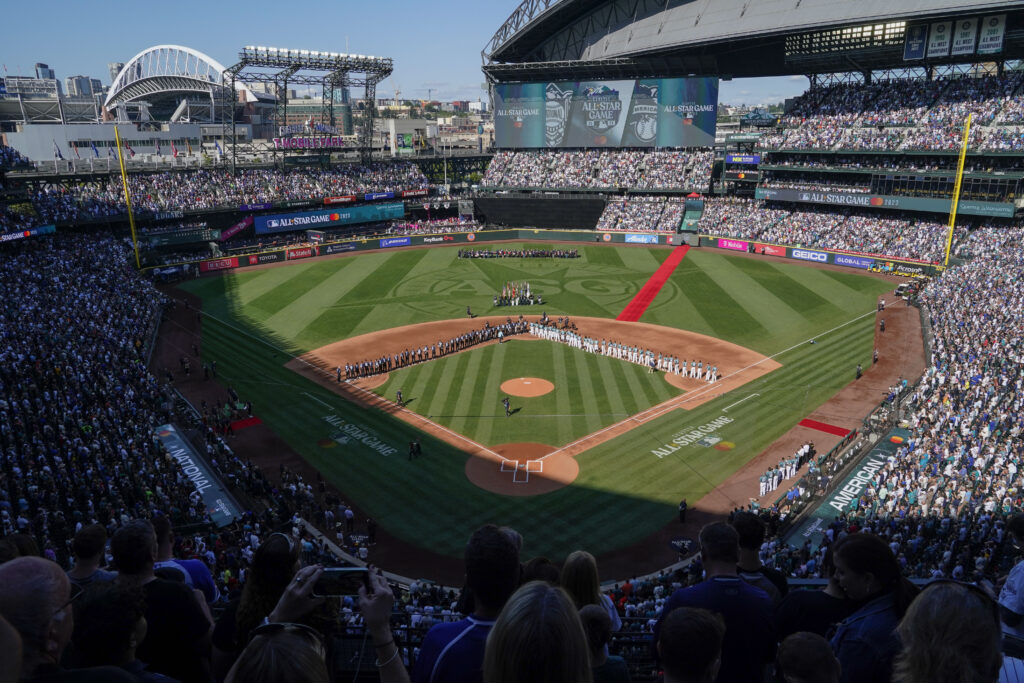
(284,222)
(969,208)
(652,112)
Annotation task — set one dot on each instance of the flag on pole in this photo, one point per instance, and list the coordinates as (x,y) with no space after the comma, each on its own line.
(74,148)
(130,150)
(189,145)
(56,152)
(174,150)
(95,151)
(158,148)
(220,152)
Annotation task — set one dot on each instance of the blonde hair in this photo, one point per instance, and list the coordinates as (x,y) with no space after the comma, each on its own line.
(579,579)
(951,634)
(538,638)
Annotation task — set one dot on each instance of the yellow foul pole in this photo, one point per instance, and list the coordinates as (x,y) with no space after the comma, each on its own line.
(127,196)
(956,188)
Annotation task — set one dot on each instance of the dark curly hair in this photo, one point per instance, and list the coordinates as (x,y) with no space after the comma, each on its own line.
(106,614)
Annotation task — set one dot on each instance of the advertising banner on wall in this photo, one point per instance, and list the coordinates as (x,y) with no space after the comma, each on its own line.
(218,264)
(742,158)
(634,238)
(853,261)
(860,199)
(218,503)
(228,233)
(285,222)
(264,257)
(395,242)
(662,112)
(736,245)
(24,234)
(346,199)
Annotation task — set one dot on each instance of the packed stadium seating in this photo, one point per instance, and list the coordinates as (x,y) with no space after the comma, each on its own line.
(210,189)
(604,169)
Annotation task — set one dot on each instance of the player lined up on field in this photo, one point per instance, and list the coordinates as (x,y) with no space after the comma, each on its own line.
(402,359)
(649,358)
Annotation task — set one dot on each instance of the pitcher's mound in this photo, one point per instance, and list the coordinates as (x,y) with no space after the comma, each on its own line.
(527,387)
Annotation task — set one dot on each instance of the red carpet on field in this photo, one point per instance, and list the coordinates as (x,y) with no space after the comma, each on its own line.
(635,308)
(247,422)
(825,427)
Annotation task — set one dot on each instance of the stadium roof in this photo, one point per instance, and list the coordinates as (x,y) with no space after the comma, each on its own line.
(715,37)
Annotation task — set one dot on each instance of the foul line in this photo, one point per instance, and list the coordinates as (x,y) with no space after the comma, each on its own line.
(726,409)
(636,308)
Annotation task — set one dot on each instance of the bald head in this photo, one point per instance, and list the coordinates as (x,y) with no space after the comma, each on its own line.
(33,591)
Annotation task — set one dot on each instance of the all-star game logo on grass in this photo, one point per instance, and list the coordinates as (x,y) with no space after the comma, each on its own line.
(701,436)
(347,431)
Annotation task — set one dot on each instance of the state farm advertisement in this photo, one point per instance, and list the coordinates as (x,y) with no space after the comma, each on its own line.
(301,252)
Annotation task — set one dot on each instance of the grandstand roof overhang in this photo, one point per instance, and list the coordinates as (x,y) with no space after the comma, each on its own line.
(738,38)
(167,71)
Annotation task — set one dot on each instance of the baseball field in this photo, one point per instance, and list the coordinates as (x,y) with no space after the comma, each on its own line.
(786,336)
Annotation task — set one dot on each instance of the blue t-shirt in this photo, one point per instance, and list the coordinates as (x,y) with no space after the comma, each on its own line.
(453,653)
(749,642)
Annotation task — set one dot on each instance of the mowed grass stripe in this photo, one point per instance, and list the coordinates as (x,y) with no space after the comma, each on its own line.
(493,360)
(422,382)
(559,355)
(727,318)
(586,368)
(302,277)
(466,411)
(793,286)
(250,286)
(775,315)
(609,387)
(443,390)
(602,256)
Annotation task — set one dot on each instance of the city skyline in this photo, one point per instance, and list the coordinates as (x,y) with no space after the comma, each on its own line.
(436,53)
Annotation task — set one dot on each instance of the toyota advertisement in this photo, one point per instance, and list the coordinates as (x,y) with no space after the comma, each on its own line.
(286,222)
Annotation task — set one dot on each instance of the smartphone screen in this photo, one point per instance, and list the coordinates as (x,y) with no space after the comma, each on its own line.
(336,581)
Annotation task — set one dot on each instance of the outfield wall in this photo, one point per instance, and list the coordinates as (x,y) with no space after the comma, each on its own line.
(861,261)
(851,259)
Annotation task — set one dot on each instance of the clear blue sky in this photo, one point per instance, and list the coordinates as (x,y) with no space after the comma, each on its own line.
(434,45)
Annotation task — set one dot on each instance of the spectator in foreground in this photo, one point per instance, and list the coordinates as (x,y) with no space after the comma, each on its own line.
(10,653)
(751,532)
(690,645)
(816,611)
(538,638)
(951,633)
(866,642)
(178,639)
(454,652)
(110,624)
(281,652)
(598,629)
(194,573)
(35,598)
(749,644)
(807,658)
(581,582)
(87,549)
(1011,597)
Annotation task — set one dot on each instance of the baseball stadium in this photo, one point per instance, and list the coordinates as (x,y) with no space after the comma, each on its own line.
(623,317)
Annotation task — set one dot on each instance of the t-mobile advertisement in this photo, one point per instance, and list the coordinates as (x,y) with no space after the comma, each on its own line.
(738,245)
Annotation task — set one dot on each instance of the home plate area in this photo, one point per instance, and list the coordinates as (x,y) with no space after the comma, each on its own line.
(521,469)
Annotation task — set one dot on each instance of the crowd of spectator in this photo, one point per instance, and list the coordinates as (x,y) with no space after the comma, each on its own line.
(219,188)
(10,157)
(838,229)
(602,169)
(905,115)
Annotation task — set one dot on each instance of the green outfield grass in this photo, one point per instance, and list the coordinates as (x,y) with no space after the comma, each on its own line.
(627,487)
(462,392)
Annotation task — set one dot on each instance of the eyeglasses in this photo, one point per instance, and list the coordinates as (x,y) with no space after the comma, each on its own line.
(307,632)
(76,592)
